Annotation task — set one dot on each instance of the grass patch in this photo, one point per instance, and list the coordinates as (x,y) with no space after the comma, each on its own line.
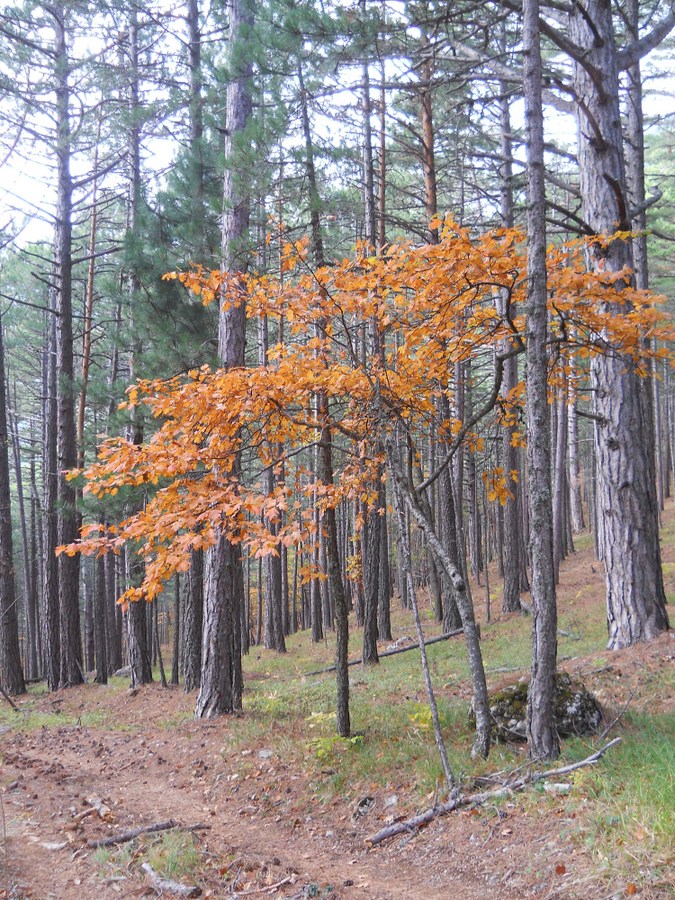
(629,802)
(113,862)
(175,855)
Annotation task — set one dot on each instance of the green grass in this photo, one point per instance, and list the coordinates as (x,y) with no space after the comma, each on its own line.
(175,855)
(623,809)
(628,820)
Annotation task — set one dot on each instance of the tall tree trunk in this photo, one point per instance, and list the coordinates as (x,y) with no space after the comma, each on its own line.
(193,618)
(560,504)
(35,555)
(30,593)
(139,640)
(541,731)
(68,566)
(100,622)
(112,616)
(371,526)
(11,672)
(175,661)
(511,547)
(624,429)
(221,679)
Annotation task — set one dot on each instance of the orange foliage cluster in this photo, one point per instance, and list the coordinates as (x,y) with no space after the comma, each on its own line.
(432,306)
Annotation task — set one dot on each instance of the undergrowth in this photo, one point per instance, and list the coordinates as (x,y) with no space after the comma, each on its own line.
(621,812)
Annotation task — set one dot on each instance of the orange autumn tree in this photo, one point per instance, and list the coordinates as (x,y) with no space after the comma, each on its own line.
(433,306)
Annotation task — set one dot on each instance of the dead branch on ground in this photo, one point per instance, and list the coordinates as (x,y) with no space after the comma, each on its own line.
(460,800)
(415,646)
(173,887)
(145,829)
(9,699)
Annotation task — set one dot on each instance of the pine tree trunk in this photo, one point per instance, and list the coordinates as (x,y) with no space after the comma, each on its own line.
(50,578)
(137,641)
(541,731)
(221,677)
(513,563)
(175,661)
(100,622)
(11,672)
(384,580)
(112,613)
(624,430)
(68,566)
(193,618)
(29,591)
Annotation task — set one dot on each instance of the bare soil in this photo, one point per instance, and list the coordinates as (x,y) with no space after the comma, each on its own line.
(266,834)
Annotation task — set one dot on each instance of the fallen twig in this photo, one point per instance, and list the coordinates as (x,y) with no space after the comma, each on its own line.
(415,646)
(175,887)
(126,836)
(619,715)
(268,889)
(435,812)
(9,699)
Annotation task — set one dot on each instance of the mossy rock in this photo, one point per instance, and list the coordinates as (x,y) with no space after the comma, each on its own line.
(576,710)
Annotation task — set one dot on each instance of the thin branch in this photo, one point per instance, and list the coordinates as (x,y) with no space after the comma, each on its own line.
(127,836)
(414,823)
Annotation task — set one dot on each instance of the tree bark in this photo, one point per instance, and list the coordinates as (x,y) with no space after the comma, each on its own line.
(221,678)
(11,671)
(541,731)
(513,563)
(193,619)
(624,433)
(68,566)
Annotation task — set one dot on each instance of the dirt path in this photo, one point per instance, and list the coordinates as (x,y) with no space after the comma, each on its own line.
(146,777)
(266,825)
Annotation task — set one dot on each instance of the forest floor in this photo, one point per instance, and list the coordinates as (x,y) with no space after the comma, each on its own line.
(289,808)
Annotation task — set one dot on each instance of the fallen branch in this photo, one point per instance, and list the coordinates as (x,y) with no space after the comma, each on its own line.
(9,699)
(416,822)
(174,887)
(96,805)
(268,889)
(356,662)
(126,836)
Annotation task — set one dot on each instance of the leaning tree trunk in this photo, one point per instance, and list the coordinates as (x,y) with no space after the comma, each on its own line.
(410,499)
(541,731)
(11,673)
(221,679)
(626,484)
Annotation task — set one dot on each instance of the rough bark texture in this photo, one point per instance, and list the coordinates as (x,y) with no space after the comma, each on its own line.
(336,586)
(100,622)
(627,508)
(68,566)
(11,673)
(221,678)
(137,644)
(193,618)
(513,565)
(51,666)
(542,735)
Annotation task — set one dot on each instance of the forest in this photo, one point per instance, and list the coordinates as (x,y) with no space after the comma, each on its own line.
(333,321)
